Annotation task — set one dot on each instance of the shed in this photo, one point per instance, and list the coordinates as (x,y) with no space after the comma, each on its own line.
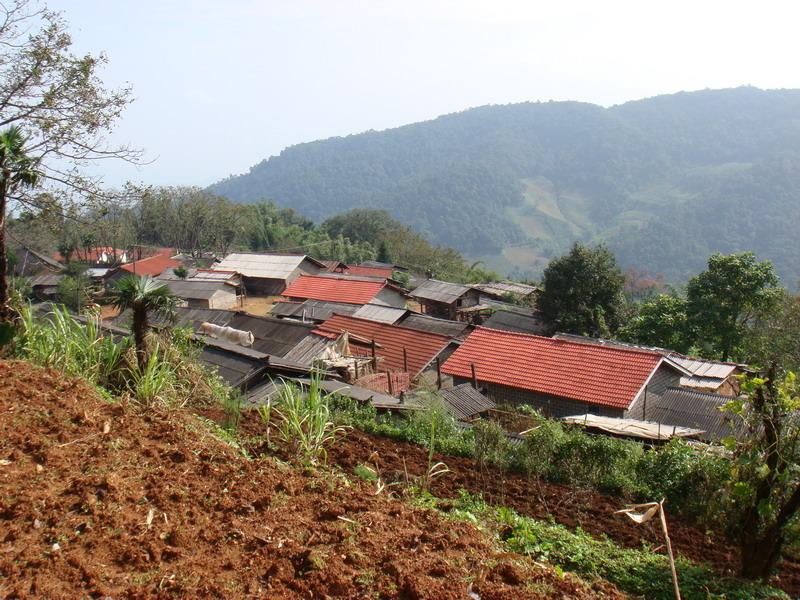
(692,408)
(463,402)
(444,299)
(382,314)
(30,262)
(269,274)
(198,293)
(45,287)
(561,378)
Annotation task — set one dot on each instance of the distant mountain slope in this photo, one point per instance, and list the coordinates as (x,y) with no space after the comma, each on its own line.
(664,181)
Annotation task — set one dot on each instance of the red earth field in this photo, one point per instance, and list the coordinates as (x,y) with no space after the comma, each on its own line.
(101,500)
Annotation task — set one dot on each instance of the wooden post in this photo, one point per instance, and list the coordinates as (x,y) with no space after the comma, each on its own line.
(389,380)
(374,358)
(669,550)
(438,374)
(644,408)
(405,359)
(474,377)
(355,364)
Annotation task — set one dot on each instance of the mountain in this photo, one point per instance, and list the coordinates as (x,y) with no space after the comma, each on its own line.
(664,181)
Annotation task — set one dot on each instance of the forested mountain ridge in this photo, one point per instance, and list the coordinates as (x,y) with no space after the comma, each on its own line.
(664,181)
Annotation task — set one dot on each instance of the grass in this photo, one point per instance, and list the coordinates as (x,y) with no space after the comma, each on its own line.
(637,571)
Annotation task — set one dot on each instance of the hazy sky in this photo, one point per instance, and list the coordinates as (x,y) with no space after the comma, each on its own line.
(221,85)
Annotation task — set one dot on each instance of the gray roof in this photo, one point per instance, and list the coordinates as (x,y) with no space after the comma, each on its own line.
(235,367)
(272,336)
(381,314)
(632,428)
(312,310)
(464,402)
(440,291)
(307,349)
(193,289)
(375,263)
(418,322)
(690,408)
(263,266)
(267,391)
(500,288)
(509,321)
(184,317)
(51,280)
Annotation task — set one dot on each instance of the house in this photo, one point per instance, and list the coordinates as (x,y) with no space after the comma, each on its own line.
(97,255)
(269,274)
(443,299)
(561,378)
(398,349)
(350,290)
(504,289)
(45,287)
(702,374)
(28,262)
(519,321)
(198,293)
(152,266)
(452,329)
(682,407)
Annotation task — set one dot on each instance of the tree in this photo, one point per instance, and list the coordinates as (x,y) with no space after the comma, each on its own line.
(765,488)
(774,335)
(724,298)
(383,252)
(17,171)
(583,292)
(58,109)
(73,291)
(661,321)
(143,295)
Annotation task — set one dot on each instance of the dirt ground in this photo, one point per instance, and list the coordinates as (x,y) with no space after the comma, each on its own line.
(593,512)
(258,306)
(101,500)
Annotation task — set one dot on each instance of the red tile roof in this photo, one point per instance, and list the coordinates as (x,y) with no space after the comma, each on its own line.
(333,289)
(369,271)
(421,347)
(594,374)
(154,265)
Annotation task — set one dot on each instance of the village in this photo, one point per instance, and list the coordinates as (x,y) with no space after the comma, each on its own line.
(262,318)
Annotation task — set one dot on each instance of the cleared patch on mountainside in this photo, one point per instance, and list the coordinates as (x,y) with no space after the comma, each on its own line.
(102,500)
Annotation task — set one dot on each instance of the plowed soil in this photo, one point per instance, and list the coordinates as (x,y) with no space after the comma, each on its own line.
(593,512)
(100,500)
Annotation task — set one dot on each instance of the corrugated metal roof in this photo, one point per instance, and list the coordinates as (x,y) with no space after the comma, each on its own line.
(312,310)
(690,408)
(263,266)
(464,402)
(192,289)
(508,321)
(334,289)
(268,391)
(273,336)
(593,374)
(234,367)
(382,314)
(453,329)
(440,291)
(705,368)
(46,280)
(421,348)
(500,288)
(307,349)
(645,430)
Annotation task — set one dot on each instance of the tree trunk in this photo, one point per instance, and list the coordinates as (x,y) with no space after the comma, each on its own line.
(139,327)
(5,309)
(760,553)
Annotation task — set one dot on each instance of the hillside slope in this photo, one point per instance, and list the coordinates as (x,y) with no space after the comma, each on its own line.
(664,181)
(97,500)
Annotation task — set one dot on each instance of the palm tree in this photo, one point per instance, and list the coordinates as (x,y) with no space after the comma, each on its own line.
(143,295)
(17,171)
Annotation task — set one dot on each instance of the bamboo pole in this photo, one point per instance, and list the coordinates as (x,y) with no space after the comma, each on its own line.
(669,550)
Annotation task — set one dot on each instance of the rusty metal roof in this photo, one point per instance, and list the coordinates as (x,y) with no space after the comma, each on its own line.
(440,291)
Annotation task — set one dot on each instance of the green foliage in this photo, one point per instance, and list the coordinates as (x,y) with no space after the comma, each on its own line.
(155,382)
(73,292)
(583,292)
(764,490)
(638,572)
(304,420)
(76,349)
(773,335)
(180,272)
(724,298)
(661,321)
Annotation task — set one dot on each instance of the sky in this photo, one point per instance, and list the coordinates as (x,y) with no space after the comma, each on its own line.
(221,85)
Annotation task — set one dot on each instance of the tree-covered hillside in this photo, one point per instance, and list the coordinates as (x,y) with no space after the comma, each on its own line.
(665,181)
